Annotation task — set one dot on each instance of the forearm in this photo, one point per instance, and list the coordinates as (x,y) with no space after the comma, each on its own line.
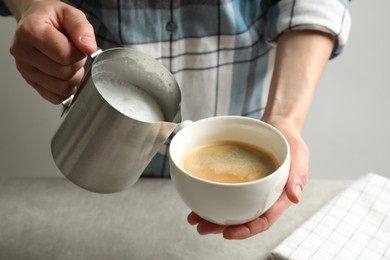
(300,59)
(18,7)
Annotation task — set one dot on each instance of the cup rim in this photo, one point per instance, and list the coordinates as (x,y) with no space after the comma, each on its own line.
(286,159)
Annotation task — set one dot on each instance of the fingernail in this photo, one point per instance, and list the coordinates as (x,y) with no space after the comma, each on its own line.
(298,191)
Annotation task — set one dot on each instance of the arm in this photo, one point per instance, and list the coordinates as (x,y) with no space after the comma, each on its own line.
(18,7)
(50,45)
(300,60)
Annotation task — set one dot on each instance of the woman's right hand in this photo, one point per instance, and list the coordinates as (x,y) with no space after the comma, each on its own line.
(50,46)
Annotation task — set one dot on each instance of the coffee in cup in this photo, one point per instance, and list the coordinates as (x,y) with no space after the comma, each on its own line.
(229,162)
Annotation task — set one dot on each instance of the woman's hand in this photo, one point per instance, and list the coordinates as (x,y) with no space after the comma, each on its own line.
(50,46)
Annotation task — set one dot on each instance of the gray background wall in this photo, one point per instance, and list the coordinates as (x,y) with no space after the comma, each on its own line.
(347,129)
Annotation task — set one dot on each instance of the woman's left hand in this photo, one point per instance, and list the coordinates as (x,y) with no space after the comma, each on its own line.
(291,194)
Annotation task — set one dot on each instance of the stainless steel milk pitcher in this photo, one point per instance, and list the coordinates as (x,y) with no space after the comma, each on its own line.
(125,109)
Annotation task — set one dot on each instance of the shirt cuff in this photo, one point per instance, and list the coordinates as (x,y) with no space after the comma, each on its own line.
(322,15)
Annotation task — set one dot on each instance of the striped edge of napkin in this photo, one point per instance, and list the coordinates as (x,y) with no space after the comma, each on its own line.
(353,225)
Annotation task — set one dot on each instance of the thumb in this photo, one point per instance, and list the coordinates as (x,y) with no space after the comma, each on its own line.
(79,30)
(298,172)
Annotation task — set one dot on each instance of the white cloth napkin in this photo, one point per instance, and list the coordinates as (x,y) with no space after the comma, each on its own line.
(353,225)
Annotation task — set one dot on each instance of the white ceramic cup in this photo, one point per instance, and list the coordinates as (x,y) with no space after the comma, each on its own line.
(229,203)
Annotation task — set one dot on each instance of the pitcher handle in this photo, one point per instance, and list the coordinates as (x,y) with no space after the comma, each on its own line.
(66,104)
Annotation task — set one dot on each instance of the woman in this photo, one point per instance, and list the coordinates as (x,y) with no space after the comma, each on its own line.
(220,52)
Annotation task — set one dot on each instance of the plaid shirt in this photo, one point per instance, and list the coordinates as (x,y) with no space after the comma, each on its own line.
(218,50)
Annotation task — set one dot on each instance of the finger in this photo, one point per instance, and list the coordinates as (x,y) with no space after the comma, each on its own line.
(193,219)
(34,58)
(204,227)
(51,84)
(299,170)
(79,30)
(50,96)
(261,223)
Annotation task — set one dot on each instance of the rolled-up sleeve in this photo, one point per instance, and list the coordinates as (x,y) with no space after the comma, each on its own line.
(331,16)
(4,10)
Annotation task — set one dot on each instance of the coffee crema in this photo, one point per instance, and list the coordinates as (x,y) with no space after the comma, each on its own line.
(229,162)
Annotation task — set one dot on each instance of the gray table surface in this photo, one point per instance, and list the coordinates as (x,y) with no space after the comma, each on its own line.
(51,218)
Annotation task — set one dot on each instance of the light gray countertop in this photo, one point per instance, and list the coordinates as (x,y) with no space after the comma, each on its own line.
(51,218)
